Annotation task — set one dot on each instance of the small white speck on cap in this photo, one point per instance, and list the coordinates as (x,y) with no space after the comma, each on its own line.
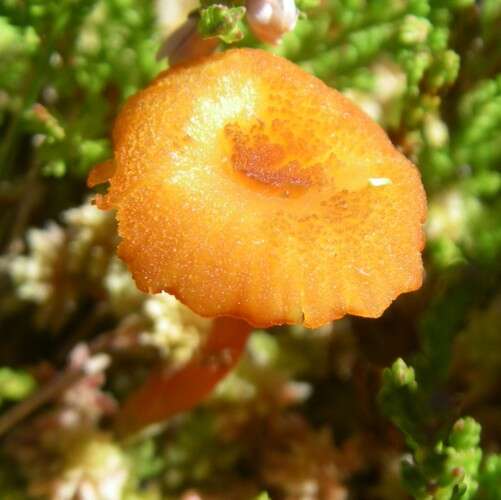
(379,181)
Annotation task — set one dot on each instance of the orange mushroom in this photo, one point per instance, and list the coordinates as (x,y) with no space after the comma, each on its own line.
(248,188)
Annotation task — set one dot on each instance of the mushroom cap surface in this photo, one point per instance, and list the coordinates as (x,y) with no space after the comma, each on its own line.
(248,188)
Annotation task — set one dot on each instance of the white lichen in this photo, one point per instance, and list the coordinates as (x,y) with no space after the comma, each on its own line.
(96,469)
(173,328)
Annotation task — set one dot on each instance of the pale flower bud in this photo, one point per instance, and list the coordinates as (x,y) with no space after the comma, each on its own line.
(271,19)
(185,44)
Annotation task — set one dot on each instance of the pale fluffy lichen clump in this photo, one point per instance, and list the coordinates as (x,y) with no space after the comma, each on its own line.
(175,330)
(68,263)
(93,467)
(254,190)
(63,264)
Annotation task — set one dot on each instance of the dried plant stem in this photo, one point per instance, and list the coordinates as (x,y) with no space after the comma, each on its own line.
(39,398)
(71,375)
(28,201)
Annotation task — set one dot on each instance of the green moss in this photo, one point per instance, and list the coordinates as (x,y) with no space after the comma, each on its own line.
(429,73)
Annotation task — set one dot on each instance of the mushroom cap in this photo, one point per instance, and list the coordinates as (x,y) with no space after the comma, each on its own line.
(248,188)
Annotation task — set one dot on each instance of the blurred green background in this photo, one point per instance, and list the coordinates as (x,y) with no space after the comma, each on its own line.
(405,406)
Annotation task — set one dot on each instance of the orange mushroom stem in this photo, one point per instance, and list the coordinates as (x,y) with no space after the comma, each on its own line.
(166,393)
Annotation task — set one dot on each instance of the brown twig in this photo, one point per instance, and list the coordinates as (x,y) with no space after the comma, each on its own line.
(56,386)
(19,412)
(28,201)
